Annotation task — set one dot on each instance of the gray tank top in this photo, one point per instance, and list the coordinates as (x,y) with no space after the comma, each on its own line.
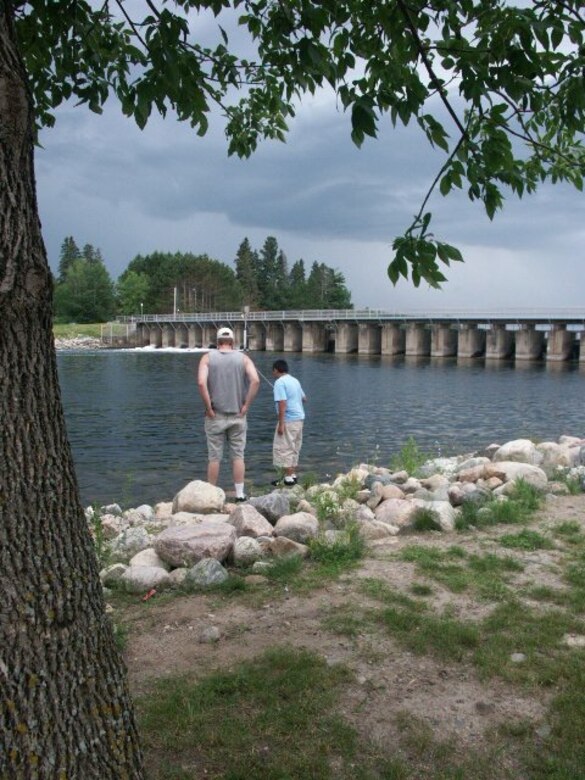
(227,383)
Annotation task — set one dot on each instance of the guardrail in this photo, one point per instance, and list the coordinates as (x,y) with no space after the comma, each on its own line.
(558,315)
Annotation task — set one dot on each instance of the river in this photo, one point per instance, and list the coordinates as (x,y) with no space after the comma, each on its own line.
(135,419)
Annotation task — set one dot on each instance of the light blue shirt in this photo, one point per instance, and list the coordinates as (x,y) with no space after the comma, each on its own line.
(287,388)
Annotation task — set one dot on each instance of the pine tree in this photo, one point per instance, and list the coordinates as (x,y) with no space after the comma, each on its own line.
(246,264)
(297,284)
(69,254)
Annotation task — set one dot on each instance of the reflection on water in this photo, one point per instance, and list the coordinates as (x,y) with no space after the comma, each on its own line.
(135,419)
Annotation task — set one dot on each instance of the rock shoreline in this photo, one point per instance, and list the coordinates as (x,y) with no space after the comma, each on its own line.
(197,536)
(78,342)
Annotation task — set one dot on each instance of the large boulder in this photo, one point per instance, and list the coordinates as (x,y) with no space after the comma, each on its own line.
(248,521)
(444,513)
(138,579)
(555,456)
(148,557)
(520,450)
(299,527)
(272,506)
(200,498)
(396,511)
(187,545)
(511,471)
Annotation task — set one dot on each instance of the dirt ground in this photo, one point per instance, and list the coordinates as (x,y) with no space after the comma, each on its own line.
(201,633)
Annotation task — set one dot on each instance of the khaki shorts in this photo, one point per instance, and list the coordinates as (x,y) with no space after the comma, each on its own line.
(225,427)
(286,448)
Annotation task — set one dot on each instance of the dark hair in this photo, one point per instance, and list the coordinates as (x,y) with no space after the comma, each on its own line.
(281,366)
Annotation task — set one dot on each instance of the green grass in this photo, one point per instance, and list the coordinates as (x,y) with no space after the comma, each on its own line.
(71,329)
(526,540)
(518,508)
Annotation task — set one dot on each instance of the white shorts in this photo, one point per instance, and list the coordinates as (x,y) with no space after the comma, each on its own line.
(286,447)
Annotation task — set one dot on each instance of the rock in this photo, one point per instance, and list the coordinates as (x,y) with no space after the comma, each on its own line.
(396,511)
(555,456)
(138,579)
(281,547)
(511,471)
(130,542)
(207,572)
(299,527)
(209,635)
(111,509)
(272,506)
(185,546)
(518,450)
(142,515)
(199,498)
(371,479)
(442,510)
(371,531)
(248,521)
(148,557)
(163,509)
(246,551)
(112,526)
(111,574)
(181,519)
(178,576)
(364,515)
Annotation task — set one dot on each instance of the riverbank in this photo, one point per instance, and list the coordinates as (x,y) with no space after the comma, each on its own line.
(439,653)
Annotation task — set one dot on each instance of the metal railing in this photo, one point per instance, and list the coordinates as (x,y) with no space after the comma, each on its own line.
(556,315)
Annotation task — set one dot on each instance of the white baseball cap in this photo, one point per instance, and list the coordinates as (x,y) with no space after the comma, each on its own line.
(225,333)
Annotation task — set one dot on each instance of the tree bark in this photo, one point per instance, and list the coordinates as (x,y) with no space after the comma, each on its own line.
(65,707)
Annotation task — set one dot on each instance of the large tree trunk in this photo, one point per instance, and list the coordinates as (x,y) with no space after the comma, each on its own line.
(66,711)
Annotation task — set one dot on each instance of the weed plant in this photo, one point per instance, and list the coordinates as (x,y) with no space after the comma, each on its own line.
(410,457)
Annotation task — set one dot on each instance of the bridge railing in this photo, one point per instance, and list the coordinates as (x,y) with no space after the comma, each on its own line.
(566,315)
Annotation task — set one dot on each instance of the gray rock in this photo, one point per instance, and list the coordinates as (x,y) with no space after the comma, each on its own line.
(371,479)
(246,551)
(185,546)
(130,542)
(207,572)
(272,506)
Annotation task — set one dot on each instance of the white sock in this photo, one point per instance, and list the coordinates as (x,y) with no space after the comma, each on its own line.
(239,486)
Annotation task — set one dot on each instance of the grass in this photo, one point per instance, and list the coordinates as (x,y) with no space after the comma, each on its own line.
(72,329)
(286,714)
(521,504)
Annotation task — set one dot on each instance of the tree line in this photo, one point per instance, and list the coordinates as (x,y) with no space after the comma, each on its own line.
(161,282)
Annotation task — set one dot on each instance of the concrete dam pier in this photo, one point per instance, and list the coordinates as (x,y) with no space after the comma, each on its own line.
(529,335)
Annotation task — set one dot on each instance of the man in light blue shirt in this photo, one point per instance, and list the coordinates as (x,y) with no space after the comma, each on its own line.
(289,400)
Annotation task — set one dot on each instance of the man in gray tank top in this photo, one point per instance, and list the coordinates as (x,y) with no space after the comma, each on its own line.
(228,383)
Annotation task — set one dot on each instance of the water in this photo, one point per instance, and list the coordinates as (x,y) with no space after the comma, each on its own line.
(135,419)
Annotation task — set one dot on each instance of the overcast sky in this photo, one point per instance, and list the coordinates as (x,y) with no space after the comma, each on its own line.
(104,182)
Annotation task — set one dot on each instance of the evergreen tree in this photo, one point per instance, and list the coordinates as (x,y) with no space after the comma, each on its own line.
(281,282)
(297,285)
(246,264)
(326,289)
(69,254)
(92,255)
(268,272)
